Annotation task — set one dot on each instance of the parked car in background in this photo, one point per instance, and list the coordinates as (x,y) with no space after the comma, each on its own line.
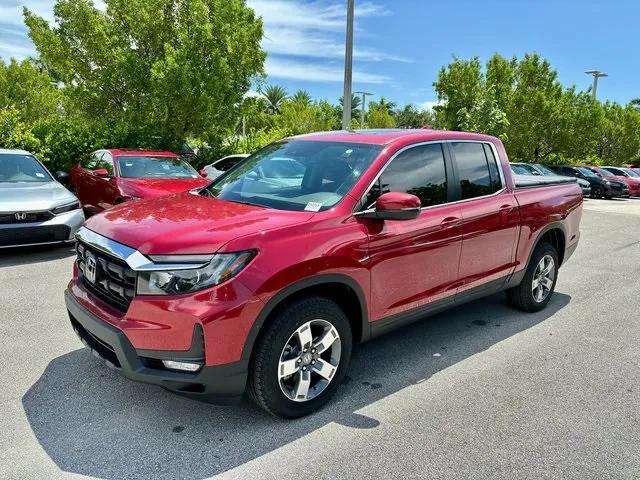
(263,283)
(632,183)
(34,207)
(539,169)
(114,176)
(600,187)
(217,168)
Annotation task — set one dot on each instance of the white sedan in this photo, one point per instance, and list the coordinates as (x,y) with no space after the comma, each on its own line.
(217,168)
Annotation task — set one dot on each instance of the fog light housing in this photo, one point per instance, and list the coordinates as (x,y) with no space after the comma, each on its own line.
(181,366)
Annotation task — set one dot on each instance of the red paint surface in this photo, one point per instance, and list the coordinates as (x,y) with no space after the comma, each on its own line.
(398,265)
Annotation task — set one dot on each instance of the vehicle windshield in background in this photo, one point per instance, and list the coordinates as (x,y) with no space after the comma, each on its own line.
(296,175)
(529,170)
(133,166)
(545,170)
(519,170)
(606,173)
(22,168)
(586,172)
(631,172)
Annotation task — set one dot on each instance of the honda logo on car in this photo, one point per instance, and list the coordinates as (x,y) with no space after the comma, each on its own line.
(20,216)
(90,267)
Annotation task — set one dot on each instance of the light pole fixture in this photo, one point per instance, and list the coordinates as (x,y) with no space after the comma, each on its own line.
(348,68)
(596,75)
(362,106)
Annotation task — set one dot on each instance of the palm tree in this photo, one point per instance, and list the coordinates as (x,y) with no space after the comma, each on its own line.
(303,97)
(274,96)
(355,105)
(384,104)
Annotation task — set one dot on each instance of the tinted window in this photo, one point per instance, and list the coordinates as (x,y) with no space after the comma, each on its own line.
(226,164)
(473,170)
(143,166)
(419,171)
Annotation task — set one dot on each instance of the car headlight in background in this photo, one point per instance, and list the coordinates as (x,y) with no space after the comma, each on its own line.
(221,268)
(66,208)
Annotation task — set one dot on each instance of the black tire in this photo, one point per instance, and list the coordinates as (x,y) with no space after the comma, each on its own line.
(522,296)
(264,385)
(597,191)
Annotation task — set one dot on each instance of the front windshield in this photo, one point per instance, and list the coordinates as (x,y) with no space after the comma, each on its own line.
(606,173)
(586,172)
(545,170)
(519,170)
(16,168)
(134,166)
(529,169)
(296,175)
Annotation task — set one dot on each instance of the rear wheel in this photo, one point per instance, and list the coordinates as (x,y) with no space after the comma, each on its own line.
(301,358)
(597,191)
(539,282)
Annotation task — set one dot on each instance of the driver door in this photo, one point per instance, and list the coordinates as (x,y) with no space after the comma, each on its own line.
(415,262)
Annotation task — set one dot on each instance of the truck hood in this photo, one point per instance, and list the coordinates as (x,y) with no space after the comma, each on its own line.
(32,196)
(187,223)
(156,187)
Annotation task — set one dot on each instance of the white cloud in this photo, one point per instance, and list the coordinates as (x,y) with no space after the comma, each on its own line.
(299,34)
(428,105)
(296,70)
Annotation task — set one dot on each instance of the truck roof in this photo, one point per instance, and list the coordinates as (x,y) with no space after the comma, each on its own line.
(387,136)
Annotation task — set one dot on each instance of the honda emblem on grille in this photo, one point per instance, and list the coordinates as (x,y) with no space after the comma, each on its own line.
(90,267)
(20,215)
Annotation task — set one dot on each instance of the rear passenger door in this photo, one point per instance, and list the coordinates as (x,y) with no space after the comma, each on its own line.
(490,216)
(414,262)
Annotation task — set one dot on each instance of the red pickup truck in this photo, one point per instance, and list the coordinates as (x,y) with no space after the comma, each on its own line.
(263,280)
(110,177)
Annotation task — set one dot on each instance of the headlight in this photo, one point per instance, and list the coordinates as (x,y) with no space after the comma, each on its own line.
(66,208)
(221,268)
(607,182)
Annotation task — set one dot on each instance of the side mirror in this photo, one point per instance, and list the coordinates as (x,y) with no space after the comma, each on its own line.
(394,206)
(203,172)
(101,172)
(62,177)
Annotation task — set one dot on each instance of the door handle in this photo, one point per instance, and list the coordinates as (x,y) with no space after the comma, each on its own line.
(504,209)
(449,222)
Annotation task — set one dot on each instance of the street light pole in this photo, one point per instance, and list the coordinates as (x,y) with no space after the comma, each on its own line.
(596,74)
(362,106)
(348,68)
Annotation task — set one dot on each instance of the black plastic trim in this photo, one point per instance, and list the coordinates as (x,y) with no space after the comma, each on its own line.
(222,384)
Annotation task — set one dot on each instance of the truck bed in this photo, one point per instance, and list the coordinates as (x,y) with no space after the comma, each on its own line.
(529,181)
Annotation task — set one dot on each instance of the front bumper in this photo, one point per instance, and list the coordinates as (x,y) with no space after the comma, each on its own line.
(222,384)
(59,229)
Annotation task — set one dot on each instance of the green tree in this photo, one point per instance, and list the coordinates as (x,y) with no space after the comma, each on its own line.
(379,116)
(30,90)
(274,95)
(410,117)
(160,70)
(14,133)
(459,87)
(302,96)
(355,105)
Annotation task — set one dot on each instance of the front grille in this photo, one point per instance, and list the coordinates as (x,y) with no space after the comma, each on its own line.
(96,344)
(29,235)
(25,217)
(114,283)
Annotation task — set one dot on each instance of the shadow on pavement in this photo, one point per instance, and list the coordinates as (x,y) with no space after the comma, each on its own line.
(10,257)
(91,421)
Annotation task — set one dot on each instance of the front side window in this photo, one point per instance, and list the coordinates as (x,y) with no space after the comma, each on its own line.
(16,168)
(419,171)
(296,175)
(143,166)
(473,170)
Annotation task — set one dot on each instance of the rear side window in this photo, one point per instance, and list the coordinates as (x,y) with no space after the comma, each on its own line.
(473,169)
(419,171)
(496,182)
(226,164)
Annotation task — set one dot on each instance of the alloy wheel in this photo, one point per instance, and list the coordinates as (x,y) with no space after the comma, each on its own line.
(543,278)
(309,360)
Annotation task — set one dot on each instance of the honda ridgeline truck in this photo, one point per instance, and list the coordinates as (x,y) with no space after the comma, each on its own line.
(262,281)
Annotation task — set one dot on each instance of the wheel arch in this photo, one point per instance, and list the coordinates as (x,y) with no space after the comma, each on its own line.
(339,288)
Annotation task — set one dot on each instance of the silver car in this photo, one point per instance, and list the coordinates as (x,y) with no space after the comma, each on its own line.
(35,209)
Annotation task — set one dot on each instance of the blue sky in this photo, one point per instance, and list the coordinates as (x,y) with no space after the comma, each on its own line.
(400,45)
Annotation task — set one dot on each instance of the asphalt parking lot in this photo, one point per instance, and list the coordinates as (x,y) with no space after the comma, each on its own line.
(481,391)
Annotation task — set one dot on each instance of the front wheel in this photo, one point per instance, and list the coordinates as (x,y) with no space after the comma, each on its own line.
(539,282)
(597,191)
(301,359)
